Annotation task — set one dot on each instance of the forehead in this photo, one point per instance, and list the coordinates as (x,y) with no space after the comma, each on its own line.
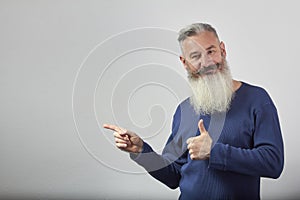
(200,41)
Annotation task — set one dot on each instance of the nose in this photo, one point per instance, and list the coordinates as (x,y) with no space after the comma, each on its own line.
(207,61)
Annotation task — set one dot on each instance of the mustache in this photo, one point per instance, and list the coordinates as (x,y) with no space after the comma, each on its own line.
(204,70)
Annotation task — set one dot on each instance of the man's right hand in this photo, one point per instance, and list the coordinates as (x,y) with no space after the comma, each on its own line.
(126,140)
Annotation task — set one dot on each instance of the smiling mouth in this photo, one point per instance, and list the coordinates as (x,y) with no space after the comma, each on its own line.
(208,70)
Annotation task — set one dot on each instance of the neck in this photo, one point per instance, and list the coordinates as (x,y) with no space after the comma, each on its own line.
(236,85)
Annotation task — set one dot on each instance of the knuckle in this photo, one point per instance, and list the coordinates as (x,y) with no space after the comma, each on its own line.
(120,145)
(123,131)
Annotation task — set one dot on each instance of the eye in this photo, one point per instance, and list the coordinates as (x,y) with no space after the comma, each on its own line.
(211,52)
(195,56)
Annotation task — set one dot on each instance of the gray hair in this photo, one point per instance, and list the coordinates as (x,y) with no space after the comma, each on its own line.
(195,29)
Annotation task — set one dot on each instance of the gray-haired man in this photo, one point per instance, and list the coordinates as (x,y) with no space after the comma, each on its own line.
(243,141)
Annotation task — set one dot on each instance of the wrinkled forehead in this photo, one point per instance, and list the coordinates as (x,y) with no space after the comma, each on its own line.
(200,42)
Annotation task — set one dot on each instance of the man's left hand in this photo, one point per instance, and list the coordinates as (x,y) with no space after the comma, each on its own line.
(199,147)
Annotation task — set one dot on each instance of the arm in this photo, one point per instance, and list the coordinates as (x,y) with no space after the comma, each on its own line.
(264,159)
(166,167)
(160,166)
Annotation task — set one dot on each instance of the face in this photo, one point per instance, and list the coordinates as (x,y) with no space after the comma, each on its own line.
(203,54)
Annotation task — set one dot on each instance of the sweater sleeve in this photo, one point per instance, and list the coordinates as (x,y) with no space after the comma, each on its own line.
(266,157)
(166,167)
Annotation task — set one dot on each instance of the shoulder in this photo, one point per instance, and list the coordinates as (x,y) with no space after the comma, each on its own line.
(184,109)
(256,97)
(254,93)
(254,89)
(185,105)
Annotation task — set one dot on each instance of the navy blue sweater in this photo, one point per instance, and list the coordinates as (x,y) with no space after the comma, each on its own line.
(247,145)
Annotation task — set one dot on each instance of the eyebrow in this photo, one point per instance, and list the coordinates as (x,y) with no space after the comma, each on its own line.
(207,49)
(193,53)
(210,47)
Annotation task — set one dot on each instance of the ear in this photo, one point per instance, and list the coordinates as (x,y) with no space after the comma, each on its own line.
(223,50)
(183,60)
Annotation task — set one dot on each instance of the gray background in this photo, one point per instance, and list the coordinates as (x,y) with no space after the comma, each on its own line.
(57,88)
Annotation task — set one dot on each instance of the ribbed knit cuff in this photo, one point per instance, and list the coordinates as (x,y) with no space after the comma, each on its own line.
(146,149)
(219,156)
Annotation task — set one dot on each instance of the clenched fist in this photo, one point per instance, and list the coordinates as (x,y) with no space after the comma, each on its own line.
(199,147)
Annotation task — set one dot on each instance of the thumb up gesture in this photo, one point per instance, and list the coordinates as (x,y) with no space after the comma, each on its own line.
(199,147)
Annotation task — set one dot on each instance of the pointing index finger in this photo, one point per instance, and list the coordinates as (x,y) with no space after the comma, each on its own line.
(112,127)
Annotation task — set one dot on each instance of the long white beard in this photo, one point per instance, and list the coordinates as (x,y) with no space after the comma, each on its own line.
(212,93)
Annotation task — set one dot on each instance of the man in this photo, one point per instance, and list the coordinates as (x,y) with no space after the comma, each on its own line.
(243,141)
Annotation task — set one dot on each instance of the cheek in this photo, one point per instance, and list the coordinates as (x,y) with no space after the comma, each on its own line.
(188,66)
(193,65)
(219,58)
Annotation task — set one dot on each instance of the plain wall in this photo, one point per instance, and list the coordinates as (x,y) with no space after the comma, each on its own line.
(66,67)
